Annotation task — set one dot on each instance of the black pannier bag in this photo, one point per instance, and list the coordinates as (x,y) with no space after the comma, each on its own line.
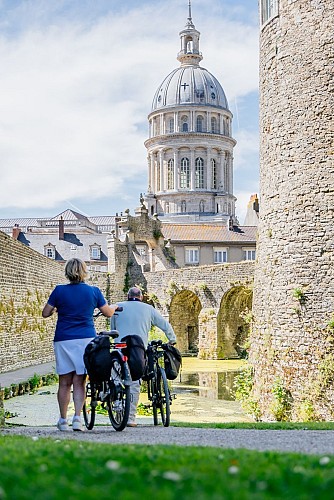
(173,361)
(97,358)
(136,354)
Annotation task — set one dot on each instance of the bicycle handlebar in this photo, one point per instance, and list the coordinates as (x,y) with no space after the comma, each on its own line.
(118,309)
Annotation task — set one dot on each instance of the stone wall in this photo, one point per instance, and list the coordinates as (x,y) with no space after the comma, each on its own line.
(26,280)
(192,300)
(292,342)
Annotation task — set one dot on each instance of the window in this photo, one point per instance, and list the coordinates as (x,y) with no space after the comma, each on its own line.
(199,123)
(184,122)
(184,174)
(170,174)
(50,251)
(192,255)
(199,173)
(214,173)
(249,253)
(171,125)
(219,255)
(269,9)
(200,95)
(95,252)
(214,125)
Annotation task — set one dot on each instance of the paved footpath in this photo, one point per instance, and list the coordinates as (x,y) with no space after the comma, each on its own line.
(42,409)
(301,441)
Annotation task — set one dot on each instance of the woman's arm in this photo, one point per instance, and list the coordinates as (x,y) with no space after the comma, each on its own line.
(108,310)
(48,310)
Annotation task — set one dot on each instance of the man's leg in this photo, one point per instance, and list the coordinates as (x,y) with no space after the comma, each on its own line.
(134,394)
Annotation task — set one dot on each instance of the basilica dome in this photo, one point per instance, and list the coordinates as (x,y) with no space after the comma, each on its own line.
(188,85)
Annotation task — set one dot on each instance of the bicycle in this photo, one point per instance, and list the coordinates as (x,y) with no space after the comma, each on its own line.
(112,394)
(157,385)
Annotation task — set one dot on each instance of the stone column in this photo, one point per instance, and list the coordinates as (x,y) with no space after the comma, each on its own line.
(162,170)
(208,177)
(176,169)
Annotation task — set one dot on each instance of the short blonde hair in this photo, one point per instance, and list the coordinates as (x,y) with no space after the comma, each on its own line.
(76,270)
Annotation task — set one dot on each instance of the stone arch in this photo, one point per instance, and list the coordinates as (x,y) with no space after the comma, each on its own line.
(232,328)
(183,316)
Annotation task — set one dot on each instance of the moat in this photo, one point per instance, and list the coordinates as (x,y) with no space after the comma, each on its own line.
(204,393)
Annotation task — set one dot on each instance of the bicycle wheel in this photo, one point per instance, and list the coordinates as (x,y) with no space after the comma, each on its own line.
(118,403)
(89,406)
(164,405)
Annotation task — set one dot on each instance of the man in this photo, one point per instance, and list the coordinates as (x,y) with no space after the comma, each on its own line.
(137,318)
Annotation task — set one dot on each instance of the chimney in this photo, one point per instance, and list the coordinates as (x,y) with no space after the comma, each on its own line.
(16,231)
(61,228)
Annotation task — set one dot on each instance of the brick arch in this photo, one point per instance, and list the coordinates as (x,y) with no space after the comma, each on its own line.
(183,314)
(232,329)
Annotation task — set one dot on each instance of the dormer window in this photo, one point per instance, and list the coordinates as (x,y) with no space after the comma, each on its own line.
(50,251)
(95,252)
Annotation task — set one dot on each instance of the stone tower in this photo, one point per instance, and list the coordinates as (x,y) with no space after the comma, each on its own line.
(293,336)
(190,147)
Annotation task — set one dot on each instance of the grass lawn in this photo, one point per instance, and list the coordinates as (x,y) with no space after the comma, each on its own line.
(39,469)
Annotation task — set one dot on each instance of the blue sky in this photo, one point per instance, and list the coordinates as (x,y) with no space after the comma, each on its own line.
(77,79)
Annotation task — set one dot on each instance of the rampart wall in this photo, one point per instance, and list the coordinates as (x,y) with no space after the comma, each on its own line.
(292,345)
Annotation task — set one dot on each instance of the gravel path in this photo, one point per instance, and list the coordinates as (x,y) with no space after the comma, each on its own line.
(302,441)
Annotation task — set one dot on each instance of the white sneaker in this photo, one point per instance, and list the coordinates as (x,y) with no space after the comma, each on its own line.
(62,425)
(77,424)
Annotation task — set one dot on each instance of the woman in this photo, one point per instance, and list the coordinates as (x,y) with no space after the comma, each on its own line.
(75,304)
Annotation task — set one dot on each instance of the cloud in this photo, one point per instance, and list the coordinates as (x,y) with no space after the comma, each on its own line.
(75,93)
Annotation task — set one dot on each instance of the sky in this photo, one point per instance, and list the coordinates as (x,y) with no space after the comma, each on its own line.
(77,80)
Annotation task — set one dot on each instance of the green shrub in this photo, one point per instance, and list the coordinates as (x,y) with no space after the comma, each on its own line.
(243,388)
(281,407)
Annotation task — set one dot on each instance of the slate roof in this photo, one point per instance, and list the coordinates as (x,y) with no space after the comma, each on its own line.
(73,245)
(24,223)
(209,233)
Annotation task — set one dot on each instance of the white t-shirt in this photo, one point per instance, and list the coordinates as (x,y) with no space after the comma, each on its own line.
(137,318)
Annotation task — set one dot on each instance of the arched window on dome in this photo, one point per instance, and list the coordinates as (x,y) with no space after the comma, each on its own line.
(183,206)
(214,173)
(171,125)
(214,125)
(184,123)
(199,173)
(199,123)
(201,206)
(170,174)
(184,174)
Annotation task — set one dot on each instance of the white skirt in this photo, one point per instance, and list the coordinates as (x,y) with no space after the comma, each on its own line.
(69,356)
